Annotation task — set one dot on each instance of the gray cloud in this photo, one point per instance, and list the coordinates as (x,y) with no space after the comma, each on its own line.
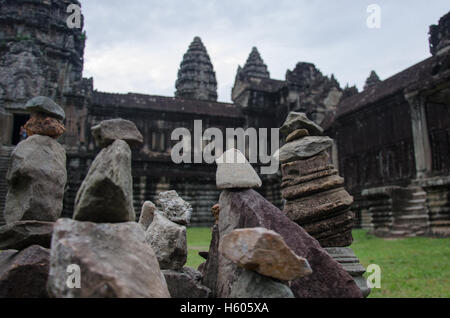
(137,45)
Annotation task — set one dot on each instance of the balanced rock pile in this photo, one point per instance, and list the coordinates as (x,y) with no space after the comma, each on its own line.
(104,240)
(314,193)
(257,251)
(36,179)
(165,226)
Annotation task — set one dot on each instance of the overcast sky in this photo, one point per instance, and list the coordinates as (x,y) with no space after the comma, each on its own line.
(137,45)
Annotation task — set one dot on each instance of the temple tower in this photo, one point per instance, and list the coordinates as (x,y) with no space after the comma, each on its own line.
(372,80)
(196,76)
(254,67)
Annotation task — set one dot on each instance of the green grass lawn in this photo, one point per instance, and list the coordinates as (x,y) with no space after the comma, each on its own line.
(412,267)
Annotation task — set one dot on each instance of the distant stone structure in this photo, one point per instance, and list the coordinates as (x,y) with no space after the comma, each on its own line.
(377,146)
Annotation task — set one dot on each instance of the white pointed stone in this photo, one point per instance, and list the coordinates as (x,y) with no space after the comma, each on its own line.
(235,172)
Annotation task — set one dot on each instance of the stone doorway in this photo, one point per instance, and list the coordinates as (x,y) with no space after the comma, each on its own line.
(19,121)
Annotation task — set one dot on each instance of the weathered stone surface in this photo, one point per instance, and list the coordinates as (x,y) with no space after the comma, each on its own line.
(22,234)
(265,252)
(168,240)
(174,207)
(253,285)
(347,258)
(111,130)
(296,121)
(246,209)
(235,172)
(147,214)
(115,261)
(306,167)
(304,148)
(211,266)
(36,180)
(43,125)
(23,274)
(313,186)
(106,194)
(297,134)
(185,283)
(45,105)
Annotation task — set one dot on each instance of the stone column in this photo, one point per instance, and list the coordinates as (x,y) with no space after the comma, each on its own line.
(422,150)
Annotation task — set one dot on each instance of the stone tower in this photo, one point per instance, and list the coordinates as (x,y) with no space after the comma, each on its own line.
(372,80)
(254,67)
(196,76)
(39,55)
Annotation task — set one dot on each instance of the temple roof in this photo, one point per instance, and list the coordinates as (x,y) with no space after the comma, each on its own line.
(196,76)
(165,104)
(435,68)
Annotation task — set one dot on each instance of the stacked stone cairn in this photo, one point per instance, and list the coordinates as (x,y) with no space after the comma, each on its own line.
(103,240)
(165,230)
(314,193)
(258,252)
(36,179)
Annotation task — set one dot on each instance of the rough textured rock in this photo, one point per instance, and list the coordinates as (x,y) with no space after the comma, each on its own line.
(36,180)
(185,283)
(43,125)
(211,266)
(147,214)
(168,240)
(45,105)
(304,148)
(265,252)
(215,211)
(297,134)
(246,209)
(296,121)
(174,207)
(253,285)
(316,200)
(347,258)
(196,76)
(22,234)
(23,274)
(235,172)
(106,194)
(115,261)
(111,130)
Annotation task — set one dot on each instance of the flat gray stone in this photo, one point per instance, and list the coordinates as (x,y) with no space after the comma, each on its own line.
(168,240)
(114,259)
(304,148)
(254,285)
(22,234)
(111,130)
(45,105)
(235,172)
(106,194)
(296,121)
(36,179)
(185,283)
(174,207)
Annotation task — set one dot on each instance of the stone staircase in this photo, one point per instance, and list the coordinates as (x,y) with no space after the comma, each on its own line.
(5,153)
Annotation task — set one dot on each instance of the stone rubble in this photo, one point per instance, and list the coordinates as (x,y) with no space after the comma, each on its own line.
(264,252)
(106,194)
(38,165)
(185,283)
(174,207)
(115,260)
(23,234)
(168,241)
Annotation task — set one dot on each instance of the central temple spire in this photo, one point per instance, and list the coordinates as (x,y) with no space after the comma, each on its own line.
(196,76)
(255,67)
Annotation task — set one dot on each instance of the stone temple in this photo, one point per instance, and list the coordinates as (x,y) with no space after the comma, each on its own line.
(392,140)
